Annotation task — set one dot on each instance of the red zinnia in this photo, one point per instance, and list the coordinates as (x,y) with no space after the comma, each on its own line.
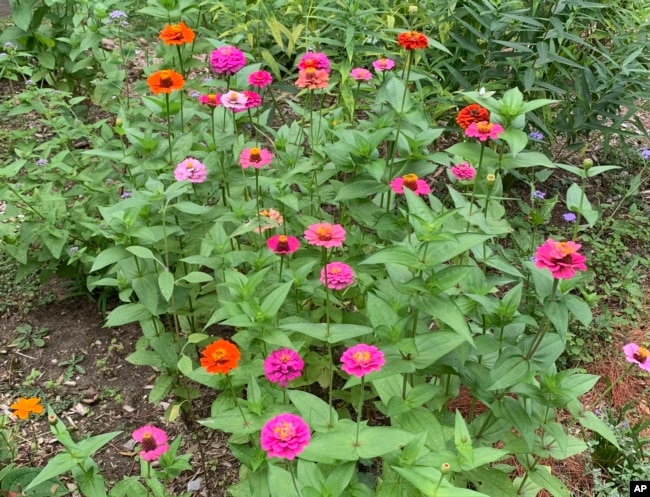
(412,40)
(473,113)
(177,34)
(220,357)
(165,81)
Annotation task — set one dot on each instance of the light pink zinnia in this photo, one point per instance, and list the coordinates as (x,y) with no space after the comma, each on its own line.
(282,245)
(383,64)
(325,235)
(210,99)
(339,276)
(256,157)
(560,258)
(637,355)
(253,99)
(282,366)
(412,182)
(234,100)
(312,79)
(153,442)
(192,170)
(260,79)
(315,60)
(274,216)
(484,130)
(361,74)
(227,60)
(362,359)
(463,171)
(285,436)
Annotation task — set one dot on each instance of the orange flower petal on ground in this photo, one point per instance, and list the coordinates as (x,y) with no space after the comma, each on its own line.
(177,34)
(220,357)
(165,81)
(24,407)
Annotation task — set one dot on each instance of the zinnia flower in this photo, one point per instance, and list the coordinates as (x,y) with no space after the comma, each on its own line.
(339,276)
(473,113)
(24,407)
(210,99)
(412,40)
(560,258)
(383,64)
(361,74)
(484,130)
(177,34)
(256,157)
(362,359)
(282,245)
(165,81)
(153,442)
(282,366)
(314,60)
(260,79)
(285,436)
(227,60)
(253,99)
(312,79)
(234,100)
(325,235)
(192,170)
(412,182)
(463,171)
(274,216)
(220,357)
(637,355)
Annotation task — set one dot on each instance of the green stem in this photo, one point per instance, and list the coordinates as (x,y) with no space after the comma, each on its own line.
(476,182)
(232,390)
(169,130)
(293,478)
(359,411)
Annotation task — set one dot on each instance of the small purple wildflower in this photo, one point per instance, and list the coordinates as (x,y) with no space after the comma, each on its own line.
(9,46)
(126,195)
(645,153)
(74,250)
(41,162)
(118,14)
(532,258)
(3,55)
(29,82)
(536,135)
(569,217)
(538,194)
(195,94)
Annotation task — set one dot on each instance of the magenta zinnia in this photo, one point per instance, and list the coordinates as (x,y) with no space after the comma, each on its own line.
(484,130)
(412,182)
(361,74)
(153,442)
(253,99)
(383,64)
(282,245)
(192,170)
(463,171)
(325,235)
(260,79)
(362,359)
(314,60)
(256,157)
(637,355)
(282,366)
(339,276)
(285,436)
(210,99)
(560,258)
(227,60)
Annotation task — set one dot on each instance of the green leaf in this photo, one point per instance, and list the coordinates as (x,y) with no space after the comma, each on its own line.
(337,332)
(328,448)
(127,313)
(404,256)
(275,299)
(166,284)
(511,368)
(128,487)
(280,481)
(543,477)
(197,277)
(590,421)
(516,140)
(442,307)
(21,13)
(431,483)
(339,479)
(492,481)
(141,252)
(556,312)
(145,358)
(463,442)
(192,208)
(375,441)
(440,251)
(161,388)
(109,256)
(59,464)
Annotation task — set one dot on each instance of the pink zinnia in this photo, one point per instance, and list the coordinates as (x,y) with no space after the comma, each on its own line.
(463,171)
(383,64)
(560,258)
(285,436)
(412,182)
(325,235)
(361,74)
(312,79)
(274,216)
(227,60)
(192,170)
(362,359)
(282,366)
(315,60)
(260,79)
(253,99)
(282,245)
(210,99)
(234,100)
(256,157)
(339,276)
(637,355)
(484,130)
(153,442)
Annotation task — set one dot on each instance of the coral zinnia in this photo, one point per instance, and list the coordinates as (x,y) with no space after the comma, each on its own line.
(192,170)
(285,436)
(412,182)
(220,357)
(560,258)
(339,276)
(256,157)
(325,235)
(177,34)
(274,216)
(463,171)
(282,366)
(362,359)
(473,113)
(165,81)
(314,60)
(484,130)
(153,442)
(637,355)
(412,40)
(282,245)
(312,79)
(24,407)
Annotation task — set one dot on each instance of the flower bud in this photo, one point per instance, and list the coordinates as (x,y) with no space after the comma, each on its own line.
(490,178)
(413,9)
(445,468)
(118,121)
(51,419)
(587,163)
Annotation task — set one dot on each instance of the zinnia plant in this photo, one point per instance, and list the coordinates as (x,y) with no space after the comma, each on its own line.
(463,171)
(312,79)
(227,60)
(255,157)
(260,79)
(282,244)
(314,60)
(383,64)
(220,357)
(285,436)
(282,366)
(337,276)
(412,40)
(560,258)
(325,235)
(165,81)
(153,442)
(473,113)
(484,130)
(361,359)
(192,170)
(412,182)
(176,34)
(360,74)
(636,354)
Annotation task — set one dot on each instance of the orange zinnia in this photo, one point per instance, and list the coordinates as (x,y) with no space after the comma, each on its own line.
(473,113)
(24,407)
(177,34)
(220,357)
(165,81)
(412,40)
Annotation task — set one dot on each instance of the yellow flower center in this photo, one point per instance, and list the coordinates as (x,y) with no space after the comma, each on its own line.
(166,80)
(212,98)
(255,155)
(361,356)
(283,431)
(218,355)
(410,181)
(285,357)
(324,233)
(335,270)
(642,354)
(148,443)
(564,248)
(484,127)
(283,243)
